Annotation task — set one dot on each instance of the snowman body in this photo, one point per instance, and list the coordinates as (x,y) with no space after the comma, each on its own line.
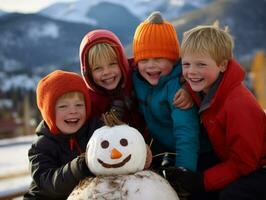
(117,155)
(143,185)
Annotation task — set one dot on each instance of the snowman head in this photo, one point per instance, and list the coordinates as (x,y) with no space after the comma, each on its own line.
(116,150)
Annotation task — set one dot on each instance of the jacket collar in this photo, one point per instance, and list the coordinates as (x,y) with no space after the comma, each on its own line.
(206,99)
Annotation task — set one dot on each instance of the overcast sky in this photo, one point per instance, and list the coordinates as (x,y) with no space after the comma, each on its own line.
(26,6)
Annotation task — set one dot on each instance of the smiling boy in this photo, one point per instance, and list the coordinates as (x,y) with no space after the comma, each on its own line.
(235,122)
(56,160)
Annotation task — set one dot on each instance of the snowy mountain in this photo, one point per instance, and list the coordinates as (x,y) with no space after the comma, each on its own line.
(2,13)
(248,29)
(36,43)
(79,11)
(33,43)
(115,17)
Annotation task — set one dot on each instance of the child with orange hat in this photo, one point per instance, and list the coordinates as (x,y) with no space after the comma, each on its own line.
(56,160)
(156,80)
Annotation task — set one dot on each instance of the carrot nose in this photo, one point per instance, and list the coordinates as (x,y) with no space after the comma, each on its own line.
(115,154)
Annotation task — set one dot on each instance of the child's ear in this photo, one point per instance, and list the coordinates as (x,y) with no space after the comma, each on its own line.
(223,65)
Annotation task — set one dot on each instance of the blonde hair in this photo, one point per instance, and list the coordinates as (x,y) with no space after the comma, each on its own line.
(212,40)
(72,94)
(101,52)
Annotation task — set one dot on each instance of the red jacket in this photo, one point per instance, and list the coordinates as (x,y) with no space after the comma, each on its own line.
(102,99)
(236,126)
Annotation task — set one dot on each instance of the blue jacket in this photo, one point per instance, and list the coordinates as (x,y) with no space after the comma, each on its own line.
(175,129)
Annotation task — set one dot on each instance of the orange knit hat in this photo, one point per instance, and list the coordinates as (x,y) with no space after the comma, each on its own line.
(53,86)
(155,38)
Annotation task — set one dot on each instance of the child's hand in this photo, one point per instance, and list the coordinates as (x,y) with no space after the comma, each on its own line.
(182,99)
(148,158)
(184,180)
(83,167)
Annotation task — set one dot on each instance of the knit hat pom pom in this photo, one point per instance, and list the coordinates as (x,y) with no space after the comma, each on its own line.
(155,18)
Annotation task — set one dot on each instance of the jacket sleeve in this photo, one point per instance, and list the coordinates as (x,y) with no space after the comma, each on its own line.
(186,133)
(53,178)
(243,123)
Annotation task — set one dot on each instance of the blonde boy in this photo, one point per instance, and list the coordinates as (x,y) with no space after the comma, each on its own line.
(235,122)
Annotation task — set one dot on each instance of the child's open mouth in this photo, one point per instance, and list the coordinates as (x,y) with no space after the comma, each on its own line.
(154,75)
(196,80)
(72,121)
(109,80)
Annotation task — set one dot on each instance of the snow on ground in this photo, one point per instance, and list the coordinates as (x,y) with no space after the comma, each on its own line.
(14,168)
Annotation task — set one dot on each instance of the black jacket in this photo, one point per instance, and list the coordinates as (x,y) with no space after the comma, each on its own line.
(55,168)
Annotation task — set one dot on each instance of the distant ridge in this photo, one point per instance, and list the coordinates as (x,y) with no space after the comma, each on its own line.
(246,20)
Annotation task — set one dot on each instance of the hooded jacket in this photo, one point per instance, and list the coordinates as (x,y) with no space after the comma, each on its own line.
(102,99)
(174,129)
(236,127)
(55,168)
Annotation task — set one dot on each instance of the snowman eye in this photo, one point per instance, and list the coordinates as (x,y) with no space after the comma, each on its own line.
(105,144)
(123,142)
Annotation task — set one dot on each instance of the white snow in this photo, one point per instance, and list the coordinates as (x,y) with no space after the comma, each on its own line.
(10,64)
(142,185)
(14,167)
(19,81)
(45,30)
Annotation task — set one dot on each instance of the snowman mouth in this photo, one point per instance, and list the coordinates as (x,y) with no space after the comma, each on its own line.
(114,165)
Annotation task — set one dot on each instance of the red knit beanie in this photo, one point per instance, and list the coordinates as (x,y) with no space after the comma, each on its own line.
(155,38)
(53,86)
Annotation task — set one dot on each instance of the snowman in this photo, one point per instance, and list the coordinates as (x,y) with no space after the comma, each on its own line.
(117,155)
